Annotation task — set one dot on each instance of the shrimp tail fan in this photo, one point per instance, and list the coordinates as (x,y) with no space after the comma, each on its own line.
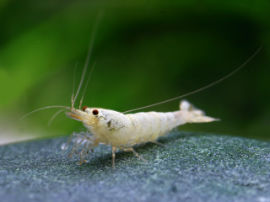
(194,115)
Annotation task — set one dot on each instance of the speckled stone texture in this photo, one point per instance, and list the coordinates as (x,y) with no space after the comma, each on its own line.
(189,167)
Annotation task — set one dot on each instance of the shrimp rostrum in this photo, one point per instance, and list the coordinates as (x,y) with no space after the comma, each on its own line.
(124,131)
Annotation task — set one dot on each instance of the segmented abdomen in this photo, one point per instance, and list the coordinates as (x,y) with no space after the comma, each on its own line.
(149,126)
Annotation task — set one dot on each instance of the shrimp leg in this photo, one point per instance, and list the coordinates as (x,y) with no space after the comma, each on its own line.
(113,156)
(157,143)
(131,149)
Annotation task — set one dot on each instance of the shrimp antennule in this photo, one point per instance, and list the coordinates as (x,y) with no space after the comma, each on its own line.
(87,61)
(44,108)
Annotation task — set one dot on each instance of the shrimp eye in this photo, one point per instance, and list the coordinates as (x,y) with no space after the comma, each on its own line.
(84,108)
(95,112)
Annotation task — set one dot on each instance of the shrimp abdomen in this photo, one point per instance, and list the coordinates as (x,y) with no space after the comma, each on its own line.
(148,126)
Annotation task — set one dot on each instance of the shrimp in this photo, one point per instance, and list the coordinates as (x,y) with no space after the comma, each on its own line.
(124,131)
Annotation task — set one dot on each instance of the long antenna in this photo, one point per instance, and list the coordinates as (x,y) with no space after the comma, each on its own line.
(90,49)
(44,108)
(85,88)
(73,86)
(202,88)
(73,97)
(54,116)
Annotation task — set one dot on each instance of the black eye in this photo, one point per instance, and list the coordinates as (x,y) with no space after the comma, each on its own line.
(84,108)
(95,112)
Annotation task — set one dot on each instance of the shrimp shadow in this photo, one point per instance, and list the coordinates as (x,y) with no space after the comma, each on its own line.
(104,161)
(164,140)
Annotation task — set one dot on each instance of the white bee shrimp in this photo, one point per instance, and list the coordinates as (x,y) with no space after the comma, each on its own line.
(123,131)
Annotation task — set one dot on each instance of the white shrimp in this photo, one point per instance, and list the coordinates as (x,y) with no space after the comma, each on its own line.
(123,131)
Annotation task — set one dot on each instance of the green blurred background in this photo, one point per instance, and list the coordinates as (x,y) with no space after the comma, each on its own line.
(145,52)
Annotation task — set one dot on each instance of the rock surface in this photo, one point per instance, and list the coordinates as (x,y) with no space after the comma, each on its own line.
(189,167)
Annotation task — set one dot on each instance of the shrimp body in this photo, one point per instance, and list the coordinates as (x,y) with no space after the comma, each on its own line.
(123,131)
(149,126)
